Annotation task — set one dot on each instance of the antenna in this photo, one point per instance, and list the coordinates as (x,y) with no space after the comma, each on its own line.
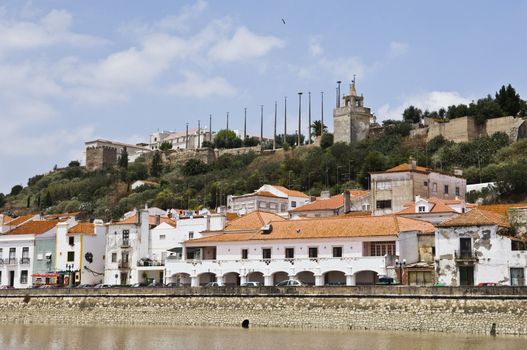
(299,118)
(274,133)
(261,126)
(338,93)
(244,123)
(322,112)
(285,119)
(309,119)
(227,120)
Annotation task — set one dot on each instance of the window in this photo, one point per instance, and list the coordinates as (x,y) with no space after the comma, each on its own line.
(434,187)
(191,235)
(384,185)
(337,252)
(126,238)
(446,189)
(262,205)
(518,245)
(162,237)
(425,184)
(517,276)
(457,190)
(1,253)
(266,253)
(23,277)
(245,254)
(422,209)
(293,204)
(12,254)
(384,204)
(71,240)
(71,256)
(114,257)
(289,253)
(382,248)
(365,207)
(313,252)
(25,255)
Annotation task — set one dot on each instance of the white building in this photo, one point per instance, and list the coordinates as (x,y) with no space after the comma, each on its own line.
(269,198)
(434,210)
(323,251)
(480,247)
(8,223)
(80,252)
(326,205)
(17,249)
(180,139)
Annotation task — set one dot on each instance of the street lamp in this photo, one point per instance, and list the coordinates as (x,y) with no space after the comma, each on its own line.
(400,265)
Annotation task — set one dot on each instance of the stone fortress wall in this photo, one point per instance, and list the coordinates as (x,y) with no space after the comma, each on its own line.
(459,310)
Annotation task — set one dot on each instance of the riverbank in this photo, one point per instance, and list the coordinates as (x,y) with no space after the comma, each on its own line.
(387,308)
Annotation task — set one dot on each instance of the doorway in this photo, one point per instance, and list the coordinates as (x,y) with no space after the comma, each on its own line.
(11,279)
(124,278)
(466,275)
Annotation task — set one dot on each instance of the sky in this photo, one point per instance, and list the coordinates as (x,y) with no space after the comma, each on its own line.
(74,71)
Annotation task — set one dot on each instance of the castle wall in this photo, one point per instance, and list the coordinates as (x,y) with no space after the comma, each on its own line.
(100,157)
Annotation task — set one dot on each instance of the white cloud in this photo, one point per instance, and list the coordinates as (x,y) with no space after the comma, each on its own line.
(199,87)
(398,48)
(52,29)
(315,47)
(244,44)
(431,101)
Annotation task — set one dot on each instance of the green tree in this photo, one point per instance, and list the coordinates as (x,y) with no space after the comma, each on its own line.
(157,165)
(15,190)
(458,111)
(2,200)
(508,100)
(165,146)
(74,163)
(412,115)
(326,140)
(251,141)
(317,128)
(123,159)
(48,200)
(227,139)
(194,167)
(485,108)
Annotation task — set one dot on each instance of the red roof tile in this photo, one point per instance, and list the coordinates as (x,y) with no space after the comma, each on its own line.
(34,227)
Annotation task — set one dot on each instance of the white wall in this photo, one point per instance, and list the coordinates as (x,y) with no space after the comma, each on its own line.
(18,242)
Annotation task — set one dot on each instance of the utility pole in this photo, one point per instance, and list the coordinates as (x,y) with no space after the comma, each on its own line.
(210,127)
(261,126)
(274,133)
(309,119)
(322,112)
(227,120)
(285,119)
(299,118)
(244,123)
(199,134)
(186,138)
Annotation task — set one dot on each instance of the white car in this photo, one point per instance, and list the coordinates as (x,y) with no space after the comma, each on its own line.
(290,283)
(251,284)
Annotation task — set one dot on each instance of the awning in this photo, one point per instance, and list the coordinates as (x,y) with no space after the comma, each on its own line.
(45,275)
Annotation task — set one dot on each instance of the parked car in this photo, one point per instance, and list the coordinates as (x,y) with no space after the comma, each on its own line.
(102,285)
(251,284)
(139,285)
(290,283)
(385,280)
(7,287)
(487,284)
(173,285)
(213,284)
(48,286)
(84,286)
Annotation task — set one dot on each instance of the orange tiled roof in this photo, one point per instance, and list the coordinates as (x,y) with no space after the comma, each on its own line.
(266,194)
(438,206)
(477,217)
(407,167)
(332,203)
(290,193)
(7,219)
(334,227)
(84,228)
(34,227)
(252,221)
(61,215)
(20,220)
(501,208)
(151,220)
(231,216)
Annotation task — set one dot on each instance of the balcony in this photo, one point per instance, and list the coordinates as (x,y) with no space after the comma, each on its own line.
(10,261)
(465,257)
(123,264)
(25,261)
(145,262)
(125,243)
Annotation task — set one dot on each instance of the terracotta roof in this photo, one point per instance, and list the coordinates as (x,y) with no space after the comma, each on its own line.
(267,194)
(34,227)
(501,208)
(7,219)
(407,167)
(438,206)
(151,220)
(252,221)
(334,227)
(477,217)
(332,203)
(61,215)
(290,193)
(231,216)
(84,228)
(20,220)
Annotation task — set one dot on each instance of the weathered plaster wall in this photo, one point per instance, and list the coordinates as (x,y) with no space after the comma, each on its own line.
(309,311)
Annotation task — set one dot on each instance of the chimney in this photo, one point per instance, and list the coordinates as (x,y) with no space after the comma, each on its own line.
(208,222)
(412,162)
(137,217)
(347,201)
(458,171)
(158,220)
(324,195)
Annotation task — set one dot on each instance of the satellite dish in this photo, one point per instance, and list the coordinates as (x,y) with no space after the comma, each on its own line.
(89,257)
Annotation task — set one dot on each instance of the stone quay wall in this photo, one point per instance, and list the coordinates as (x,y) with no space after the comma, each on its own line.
(458,310)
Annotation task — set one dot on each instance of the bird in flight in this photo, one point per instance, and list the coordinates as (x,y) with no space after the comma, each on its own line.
(283,20)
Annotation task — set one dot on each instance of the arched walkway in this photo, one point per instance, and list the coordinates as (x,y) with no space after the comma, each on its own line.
(231,279)
(334,278)
(206,277)
(306,277)
(279,277)
(255,277)
(365,277)
(181,278)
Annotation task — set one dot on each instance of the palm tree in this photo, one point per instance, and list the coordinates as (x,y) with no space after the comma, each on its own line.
(316,126)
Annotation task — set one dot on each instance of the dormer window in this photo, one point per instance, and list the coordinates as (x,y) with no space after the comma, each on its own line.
(421,209)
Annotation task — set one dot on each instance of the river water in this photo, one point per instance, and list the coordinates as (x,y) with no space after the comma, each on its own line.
(22,337)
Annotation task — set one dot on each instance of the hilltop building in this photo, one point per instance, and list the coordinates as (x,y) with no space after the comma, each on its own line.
(102,154)
(181,139)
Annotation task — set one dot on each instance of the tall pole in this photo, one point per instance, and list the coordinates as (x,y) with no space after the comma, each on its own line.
(210,127)
(227,120)
(299,118)
(261,126)
(285,119)
(322,112)
(274,133)
(338,93)
(244,123)
(309,119)
(199,134)
(186,138)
